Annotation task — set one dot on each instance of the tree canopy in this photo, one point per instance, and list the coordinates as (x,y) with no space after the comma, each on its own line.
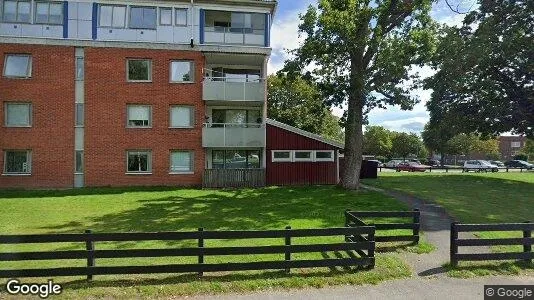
(360,52)
(299,103)
(485,70)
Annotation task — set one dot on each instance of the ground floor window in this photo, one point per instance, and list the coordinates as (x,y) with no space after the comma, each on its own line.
(139,161)
(17,162)
(236,159)
(182,162)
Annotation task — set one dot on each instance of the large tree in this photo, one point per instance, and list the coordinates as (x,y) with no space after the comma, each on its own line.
(485,70)
(360,52)
(405,144)
(377,140)
(299,103)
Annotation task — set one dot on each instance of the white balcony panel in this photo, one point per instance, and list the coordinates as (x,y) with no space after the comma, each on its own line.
(32,30)
(53,31)
(10,29)
(233,136)
(233,91)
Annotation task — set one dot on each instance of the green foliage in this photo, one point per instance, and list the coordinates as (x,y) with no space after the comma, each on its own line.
(405,144)
(462,144)
(485,70)
(377,140)
(521,156)
(297,102)
(361,53)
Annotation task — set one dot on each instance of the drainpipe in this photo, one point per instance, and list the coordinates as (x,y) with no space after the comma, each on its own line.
(192,24)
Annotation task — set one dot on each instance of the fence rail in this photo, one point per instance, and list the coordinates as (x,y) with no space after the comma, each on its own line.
(364,248)
(352,218)
(526,241)
(233,178)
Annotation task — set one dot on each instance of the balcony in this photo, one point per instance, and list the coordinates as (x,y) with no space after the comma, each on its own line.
(234,36)
(216,135)
(221,89)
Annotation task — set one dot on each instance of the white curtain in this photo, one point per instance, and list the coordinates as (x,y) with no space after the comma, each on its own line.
(181,117)
(18,114)
(139,112)
(181,161)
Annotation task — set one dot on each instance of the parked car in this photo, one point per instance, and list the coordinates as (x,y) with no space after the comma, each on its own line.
(479,166)
(434,162)
(411,166)
(499,164)
(393,163)
(519,164)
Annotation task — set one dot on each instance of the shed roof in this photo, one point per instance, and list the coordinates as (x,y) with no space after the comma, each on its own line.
(305,133)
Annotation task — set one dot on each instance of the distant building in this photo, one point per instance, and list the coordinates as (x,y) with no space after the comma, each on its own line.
(510,146)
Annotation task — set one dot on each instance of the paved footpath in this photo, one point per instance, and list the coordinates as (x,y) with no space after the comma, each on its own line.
(430,281)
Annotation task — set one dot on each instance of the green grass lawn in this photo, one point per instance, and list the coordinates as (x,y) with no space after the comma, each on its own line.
(163,209)
(472,198)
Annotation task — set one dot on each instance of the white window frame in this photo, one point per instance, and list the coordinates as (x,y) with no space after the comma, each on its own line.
(28,67)
(128,116)
(515,144)
(30,112)
(296,159)
(142,7)
(149,70)
(191,71)
(176,10)
(160,14)
(331,159)
(191,171)
(113,6)
(79,66)
(82,163)
(274,159)
(192,116)
(17,12)
(48,21)
(79,119)
(149,162)
(28,163)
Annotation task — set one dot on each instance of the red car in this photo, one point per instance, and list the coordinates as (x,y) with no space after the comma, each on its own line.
(411,166)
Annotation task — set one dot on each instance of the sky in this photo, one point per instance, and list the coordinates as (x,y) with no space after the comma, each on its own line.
(284,36)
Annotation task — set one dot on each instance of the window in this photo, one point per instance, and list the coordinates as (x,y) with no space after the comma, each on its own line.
(236,117)
(236,159)
(49,13)
(281,156)
(112,16)
(18,65)
(165,16)
(324,155)
(78,163)
(182,117)
(143,17)
(18,114)
(139,161)
(16,11)
(515,144)
(79,116)
(17,162)
(139,116)
(182,71)
(139,70)
(182,162)
(303,156)
(181,17)
(80,68)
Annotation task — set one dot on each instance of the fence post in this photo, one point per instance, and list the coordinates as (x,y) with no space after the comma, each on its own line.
(417,223)
(371,251)
(527,248)
(201,250)
(288,245)
(90,247)
(446,170)
(454,246)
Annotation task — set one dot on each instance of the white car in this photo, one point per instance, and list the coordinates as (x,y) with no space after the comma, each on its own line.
(479,166)
(393,163)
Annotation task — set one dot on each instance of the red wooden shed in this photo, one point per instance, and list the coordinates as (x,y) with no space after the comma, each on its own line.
(298,157)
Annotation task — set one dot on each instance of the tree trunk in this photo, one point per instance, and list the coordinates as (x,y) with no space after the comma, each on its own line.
(353,130)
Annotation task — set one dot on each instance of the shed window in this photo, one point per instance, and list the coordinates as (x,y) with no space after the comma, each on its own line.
(303,156)
(281,156)
(324,155)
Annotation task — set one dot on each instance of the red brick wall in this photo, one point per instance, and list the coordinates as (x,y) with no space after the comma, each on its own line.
(51,137)
(106,137)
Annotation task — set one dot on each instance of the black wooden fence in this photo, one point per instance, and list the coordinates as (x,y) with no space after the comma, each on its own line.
(526,241)
(352,219)
(365,248)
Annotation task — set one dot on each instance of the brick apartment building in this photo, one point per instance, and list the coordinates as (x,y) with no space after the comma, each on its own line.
(114,93)
(510,146)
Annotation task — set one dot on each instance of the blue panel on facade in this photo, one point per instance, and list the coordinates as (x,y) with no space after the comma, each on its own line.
(267,30)
(95,19)
(202,21)
(65,19)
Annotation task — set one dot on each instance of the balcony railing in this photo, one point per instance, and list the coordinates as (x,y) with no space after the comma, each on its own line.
(234,36)
(233,135)
(223,89)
